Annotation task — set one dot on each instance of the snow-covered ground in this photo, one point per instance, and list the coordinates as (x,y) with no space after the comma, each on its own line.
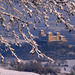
(11,72)
(68,69)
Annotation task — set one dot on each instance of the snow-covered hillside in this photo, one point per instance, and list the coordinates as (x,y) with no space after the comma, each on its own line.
(11,72)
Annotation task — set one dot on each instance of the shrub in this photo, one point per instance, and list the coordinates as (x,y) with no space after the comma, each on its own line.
(32,66)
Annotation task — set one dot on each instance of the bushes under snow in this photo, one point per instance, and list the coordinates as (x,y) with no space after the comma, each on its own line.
(32,66)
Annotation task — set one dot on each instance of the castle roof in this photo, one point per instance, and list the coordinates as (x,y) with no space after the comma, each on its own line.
(41,30)
(49,33)
(62,36)
(44,35)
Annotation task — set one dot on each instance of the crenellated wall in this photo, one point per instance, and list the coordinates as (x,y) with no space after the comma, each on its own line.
(58,34)
(49,37)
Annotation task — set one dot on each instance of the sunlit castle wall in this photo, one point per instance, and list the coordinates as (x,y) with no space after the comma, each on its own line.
(58,34)
(49,36)
(62,38)
(54,38)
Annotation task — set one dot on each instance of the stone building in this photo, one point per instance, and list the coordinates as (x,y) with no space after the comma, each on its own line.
(50,37)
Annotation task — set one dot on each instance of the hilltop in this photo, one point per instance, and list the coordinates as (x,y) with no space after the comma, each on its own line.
(55,50)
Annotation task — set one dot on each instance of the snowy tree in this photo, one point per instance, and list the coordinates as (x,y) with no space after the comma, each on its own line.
(22,14)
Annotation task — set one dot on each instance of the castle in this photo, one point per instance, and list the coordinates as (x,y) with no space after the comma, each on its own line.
(49,37)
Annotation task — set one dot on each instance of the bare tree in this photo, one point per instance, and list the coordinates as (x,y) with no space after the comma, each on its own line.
(15,14)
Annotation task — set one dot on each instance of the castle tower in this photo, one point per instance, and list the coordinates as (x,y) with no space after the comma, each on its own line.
(54,38)
(41,33)
(49,36)
(58,34)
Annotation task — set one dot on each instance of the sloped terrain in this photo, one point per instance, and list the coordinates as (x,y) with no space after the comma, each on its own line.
(55,50)
(11,72)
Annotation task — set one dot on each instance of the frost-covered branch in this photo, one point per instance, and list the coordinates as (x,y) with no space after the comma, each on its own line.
(21,14)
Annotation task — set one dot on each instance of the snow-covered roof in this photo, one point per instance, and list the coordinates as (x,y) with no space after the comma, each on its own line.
(49,33)
(44,35)
(54,36)
(41,30)
(62,36)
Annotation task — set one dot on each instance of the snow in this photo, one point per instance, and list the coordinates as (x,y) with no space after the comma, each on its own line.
(12,72)
(70,64)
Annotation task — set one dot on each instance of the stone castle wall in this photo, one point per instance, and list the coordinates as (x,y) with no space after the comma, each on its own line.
(49,37)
